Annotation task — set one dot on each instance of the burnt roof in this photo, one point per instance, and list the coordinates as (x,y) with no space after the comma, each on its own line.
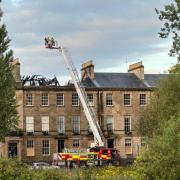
(122,81)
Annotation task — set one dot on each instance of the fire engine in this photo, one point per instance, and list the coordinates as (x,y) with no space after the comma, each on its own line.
(98,155)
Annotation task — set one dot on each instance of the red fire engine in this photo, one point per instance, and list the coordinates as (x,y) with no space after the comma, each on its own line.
(98,154)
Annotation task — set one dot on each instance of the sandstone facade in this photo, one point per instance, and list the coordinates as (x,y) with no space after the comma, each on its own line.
(117,114)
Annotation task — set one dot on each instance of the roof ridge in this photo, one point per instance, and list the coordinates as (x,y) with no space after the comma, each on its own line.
(112,73)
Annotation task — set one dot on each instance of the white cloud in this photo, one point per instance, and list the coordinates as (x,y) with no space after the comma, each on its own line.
(108,32)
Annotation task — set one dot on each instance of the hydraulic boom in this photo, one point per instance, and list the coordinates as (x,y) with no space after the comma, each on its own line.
(90,114)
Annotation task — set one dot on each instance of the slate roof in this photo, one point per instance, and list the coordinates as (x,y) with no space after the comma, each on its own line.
(152,80)
(122,81)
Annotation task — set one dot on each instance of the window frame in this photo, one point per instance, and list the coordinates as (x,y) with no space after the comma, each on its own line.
(75,99)
(30,147)
(109,99)
(128,146)
(60,124)
(90,98)
(77,144)
(44,148)
(110,117)
(76,124)
(142,100)
(43,99)
(31,124)
(29,100)
(127,125)
(45,125)
(31,144)
(59,101)
(125,100)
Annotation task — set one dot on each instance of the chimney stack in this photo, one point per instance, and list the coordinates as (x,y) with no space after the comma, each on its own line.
(16,70)
(87,70)
(137,69)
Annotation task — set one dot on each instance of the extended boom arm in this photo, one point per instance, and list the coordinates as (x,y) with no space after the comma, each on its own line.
(90,115)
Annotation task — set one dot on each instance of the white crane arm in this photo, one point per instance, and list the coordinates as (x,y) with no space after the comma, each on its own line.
(90,115)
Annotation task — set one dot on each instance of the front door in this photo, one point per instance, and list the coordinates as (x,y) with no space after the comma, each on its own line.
(110,143)
(60,145)
(12,150)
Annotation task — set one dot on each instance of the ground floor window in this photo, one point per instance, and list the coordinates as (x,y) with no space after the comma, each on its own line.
(30,147)
(128,146)
(76,143)
(45,147)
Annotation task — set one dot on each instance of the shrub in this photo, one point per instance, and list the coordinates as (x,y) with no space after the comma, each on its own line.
(14,169)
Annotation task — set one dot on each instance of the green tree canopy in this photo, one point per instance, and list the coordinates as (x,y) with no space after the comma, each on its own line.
(8,113)
(161,160)
(170,16)
(164,103)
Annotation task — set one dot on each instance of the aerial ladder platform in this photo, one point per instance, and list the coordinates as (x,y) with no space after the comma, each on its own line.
(88,110)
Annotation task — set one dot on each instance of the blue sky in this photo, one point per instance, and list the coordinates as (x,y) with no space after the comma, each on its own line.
(112,33)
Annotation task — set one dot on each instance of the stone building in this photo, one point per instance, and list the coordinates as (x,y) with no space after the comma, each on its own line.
(52,118)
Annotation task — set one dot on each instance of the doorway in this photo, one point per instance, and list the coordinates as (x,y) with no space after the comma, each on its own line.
(110,143)
(60,145)
(12,150)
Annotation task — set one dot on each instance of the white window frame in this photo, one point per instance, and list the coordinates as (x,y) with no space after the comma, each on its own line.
(45,123)
(29,124)
(127,100)
(90,97)
(77,144)
(75,99)
(61,124)
(127,124)
(109,99)
(29,99)
(128,144)
(60,99)
(29,143)
(76,124)
(110,121)
(30,147)
(45,99)
(142,99)
(45,147)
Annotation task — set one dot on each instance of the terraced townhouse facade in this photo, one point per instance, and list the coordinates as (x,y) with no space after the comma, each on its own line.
(51,118)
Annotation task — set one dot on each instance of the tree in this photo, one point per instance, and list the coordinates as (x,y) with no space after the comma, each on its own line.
(161,160)
(8,112)
(171,18)
(164,103)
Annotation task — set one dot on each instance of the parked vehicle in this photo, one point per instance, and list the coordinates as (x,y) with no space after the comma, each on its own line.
(40,165)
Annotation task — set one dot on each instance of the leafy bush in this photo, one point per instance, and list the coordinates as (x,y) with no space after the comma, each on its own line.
(51,174)
(103,173)
(161,160)
(14,169)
